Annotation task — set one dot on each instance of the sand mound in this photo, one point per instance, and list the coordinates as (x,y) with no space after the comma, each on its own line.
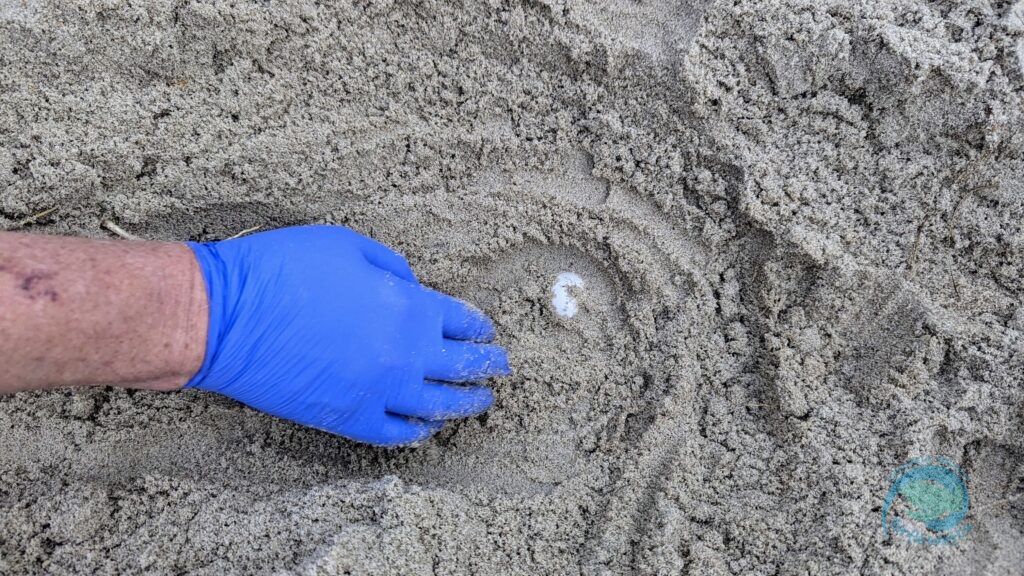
(798,224)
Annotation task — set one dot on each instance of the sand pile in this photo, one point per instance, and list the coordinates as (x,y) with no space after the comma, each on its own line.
(798,224)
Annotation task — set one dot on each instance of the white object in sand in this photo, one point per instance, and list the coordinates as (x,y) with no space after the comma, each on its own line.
(563,301)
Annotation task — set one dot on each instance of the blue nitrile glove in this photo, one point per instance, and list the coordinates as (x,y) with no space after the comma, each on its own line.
(328,328)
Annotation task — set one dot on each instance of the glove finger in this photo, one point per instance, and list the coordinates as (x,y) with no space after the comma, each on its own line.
(395,430)
(386,259)
(434,401)
(457,361)
(462,321)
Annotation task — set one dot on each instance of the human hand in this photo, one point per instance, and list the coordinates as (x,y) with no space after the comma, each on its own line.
(328,328)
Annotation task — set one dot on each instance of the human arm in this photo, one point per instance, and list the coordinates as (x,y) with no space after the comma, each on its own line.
(76,312)
(319,325)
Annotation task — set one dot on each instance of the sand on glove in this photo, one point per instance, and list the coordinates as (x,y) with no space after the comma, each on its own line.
(799,223)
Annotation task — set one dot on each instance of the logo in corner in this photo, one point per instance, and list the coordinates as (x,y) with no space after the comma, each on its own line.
(927,502)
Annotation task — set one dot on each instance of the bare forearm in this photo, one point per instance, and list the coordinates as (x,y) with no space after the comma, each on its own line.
(78,312)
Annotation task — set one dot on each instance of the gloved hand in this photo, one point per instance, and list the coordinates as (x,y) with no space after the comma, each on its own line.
(328,328)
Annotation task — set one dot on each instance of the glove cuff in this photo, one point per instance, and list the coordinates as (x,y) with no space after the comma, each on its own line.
(214,277)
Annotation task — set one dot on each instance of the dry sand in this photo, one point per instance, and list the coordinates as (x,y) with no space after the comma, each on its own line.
(799,223)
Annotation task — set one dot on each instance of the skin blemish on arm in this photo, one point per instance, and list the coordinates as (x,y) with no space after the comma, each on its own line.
(39,286)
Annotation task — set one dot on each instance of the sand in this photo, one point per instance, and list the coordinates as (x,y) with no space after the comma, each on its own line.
(798,224)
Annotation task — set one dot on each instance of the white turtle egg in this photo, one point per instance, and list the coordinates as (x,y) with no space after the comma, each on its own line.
(563,301)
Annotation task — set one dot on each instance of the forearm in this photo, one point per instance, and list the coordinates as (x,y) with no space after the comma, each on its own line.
(78,312)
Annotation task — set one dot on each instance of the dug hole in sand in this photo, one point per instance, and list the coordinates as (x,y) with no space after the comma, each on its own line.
(798,223)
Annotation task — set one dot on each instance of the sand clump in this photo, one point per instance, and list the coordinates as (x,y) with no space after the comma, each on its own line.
(799,224)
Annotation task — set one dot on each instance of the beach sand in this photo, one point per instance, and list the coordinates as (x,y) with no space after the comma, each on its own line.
(799,225)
